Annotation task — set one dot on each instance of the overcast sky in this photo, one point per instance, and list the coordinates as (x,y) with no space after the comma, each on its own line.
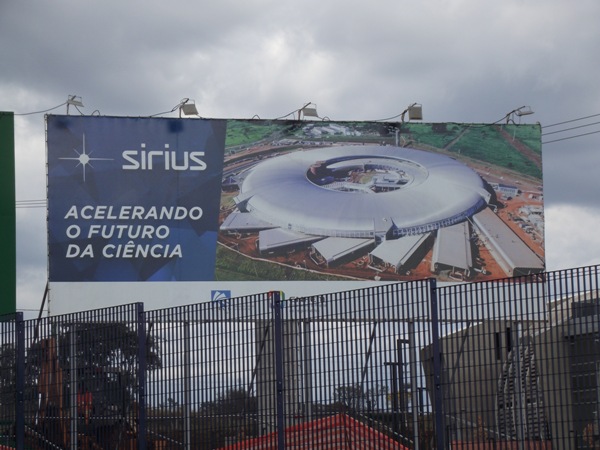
(463,60)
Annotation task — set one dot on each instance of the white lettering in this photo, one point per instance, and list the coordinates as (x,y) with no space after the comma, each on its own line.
(104,212)
(131,250)
(74,251)
(73,231)
(165,159)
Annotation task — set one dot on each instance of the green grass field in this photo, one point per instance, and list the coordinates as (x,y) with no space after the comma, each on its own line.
(231,266)
(484,143)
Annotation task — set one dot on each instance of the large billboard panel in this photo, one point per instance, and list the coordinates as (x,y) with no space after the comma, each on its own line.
(233,207)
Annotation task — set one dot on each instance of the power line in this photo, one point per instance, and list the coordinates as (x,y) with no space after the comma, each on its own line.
(41,112)
(571,137)
(572,120)
(572,128)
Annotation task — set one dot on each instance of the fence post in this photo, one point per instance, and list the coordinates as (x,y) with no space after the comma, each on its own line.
(20,382)
(278,337)
(438,395)
(141,334)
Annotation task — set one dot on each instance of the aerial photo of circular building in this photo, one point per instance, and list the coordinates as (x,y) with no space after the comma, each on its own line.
(351,201)
(362,191)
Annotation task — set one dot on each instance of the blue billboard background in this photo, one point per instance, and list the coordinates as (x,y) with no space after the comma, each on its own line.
(133,199)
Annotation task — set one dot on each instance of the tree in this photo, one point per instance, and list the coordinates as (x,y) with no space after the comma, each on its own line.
(8,375)
(233,401)
(354,398)
(105,358)
(232,415)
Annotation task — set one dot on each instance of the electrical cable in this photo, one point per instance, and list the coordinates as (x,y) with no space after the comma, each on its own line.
(41,112)
(571,137)
(388,118)
(572,120)
(572,128)
(177,106)
(291,113)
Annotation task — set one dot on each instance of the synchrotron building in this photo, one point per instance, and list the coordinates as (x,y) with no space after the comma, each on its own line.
(362,191)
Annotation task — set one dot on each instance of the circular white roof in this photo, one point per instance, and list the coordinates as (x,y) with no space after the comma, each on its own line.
(362,190)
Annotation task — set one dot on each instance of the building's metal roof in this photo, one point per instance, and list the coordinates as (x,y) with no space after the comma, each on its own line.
(513,255)
(452,247)
(332,249)
(398,251)
(278,238)
(237,221)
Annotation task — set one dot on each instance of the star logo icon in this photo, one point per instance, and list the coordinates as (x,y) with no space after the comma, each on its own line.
(85,159)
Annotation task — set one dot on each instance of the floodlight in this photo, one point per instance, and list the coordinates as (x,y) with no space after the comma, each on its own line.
(415,112)
(524,111)
(73,100)
(187,108)
(308,110)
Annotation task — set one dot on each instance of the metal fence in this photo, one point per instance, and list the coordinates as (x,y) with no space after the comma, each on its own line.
(509,364)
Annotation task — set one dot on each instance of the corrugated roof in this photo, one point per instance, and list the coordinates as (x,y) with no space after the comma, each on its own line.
(339,432)
(277,238)
(238,221)
(510,251)
(452,247)
(398,251)
(332,249)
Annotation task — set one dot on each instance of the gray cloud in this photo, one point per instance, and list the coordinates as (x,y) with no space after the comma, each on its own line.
(464,60)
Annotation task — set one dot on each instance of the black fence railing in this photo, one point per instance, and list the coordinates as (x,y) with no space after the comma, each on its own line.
(508,364)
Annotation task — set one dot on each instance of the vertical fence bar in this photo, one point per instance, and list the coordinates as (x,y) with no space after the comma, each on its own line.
(437,367)
(187,390)
(278,337)
(73,382)
(413,381)
(20,382)
(308,370)
(141,335)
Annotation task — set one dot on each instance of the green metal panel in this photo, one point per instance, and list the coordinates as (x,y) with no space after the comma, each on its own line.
(8,256)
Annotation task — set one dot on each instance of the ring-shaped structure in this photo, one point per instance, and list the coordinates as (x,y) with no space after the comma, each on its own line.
(317,191)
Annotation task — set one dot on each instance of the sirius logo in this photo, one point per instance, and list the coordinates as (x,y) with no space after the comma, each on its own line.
(166,159)
(85,159)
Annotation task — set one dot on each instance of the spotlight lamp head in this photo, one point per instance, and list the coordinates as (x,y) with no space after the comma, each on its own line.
(74,100)
(187,107)
(522,111)
(308,110)
(415,112)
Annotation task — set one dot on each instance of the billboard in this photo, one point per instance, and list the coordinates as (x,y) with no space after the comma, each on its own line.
(206,208)
(8,277)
